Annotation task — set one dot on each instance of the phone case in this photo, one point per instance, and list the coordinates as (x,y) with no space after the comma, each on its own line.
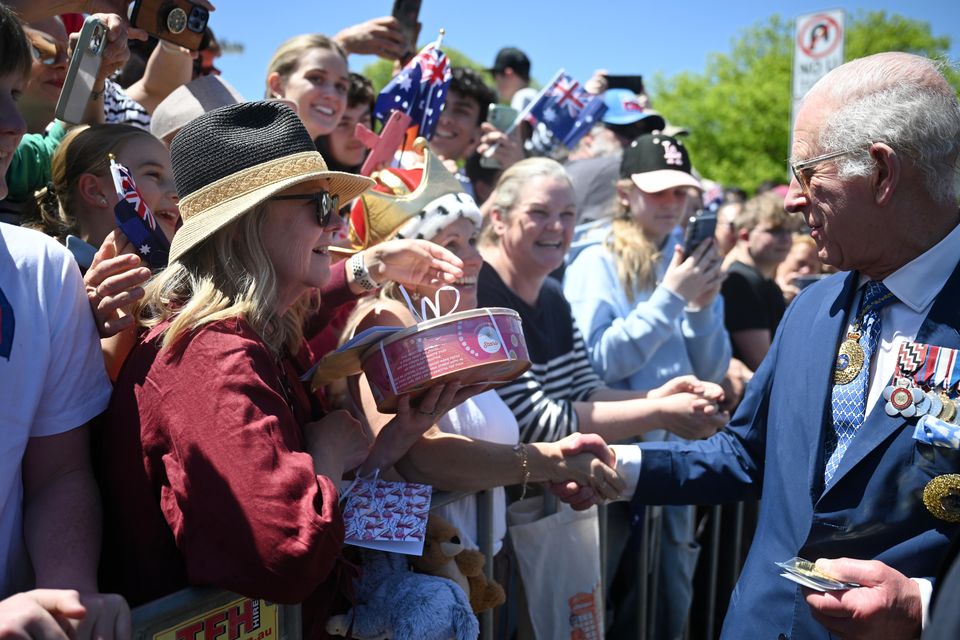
(700,228)
(178,21)
(501,116)
(84,66)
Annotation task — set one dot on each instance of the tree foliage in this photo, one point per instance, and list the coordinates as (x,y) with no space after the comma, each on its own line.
(738,109)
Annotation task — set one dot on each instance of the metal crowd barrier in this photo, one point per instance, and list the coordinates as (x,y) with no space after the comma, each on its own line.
(200,613)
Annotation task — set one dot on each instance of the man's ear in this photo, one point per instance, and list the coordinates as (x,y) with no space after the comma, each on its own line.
(92,190)
(887,172)
(742,234)
(275,83)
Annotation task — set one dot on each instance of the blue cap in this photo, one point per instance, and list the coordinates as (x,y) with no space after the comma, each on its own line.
(624,108)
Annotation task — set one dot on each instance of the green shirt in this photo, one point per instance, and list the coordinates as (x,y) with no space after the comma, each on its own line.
(30,168)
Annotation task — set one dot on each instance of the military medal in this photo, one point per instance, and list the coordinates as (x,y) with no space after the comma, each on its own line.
(902,398)
(949,411)
(941,496)
(849,359)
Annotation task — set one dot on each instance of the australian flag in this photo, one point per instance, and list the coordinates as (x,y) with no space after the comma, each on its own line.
(567,109)
(419,90)
(135,219)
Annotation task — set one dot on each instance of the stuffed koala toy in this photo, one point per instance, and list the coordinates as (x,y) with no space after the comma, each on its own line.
(444,556)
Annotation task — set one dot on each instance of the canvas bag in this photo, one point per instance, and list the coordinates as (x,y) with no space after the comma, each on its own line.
(559,560)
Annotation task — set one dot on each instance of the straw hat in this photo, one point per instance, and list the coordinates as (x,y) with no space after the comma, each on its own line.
(228,161)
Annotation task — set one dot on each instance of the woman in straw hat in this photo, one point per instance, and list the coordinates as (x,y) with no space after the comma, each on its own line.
(216,467)
(475,445)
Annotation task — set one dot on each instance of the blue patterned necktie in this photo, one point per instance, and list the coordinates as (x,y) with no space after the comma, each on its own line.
(850,400)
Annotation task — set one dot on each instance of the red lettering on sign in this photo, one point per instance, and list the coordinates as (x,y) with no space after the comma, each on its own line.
(212,625)
(190,632)
(240,615)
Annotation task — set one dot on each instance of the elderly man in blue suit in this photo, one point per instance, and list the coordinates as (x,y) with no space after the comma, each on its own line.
(827,432)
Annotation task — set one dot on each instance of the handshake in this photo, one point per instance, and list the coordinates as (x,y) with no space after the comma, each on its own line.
(686,406)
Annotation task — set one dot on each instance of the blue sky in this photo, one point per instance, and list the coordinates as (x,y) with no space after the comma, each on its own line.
(625,37)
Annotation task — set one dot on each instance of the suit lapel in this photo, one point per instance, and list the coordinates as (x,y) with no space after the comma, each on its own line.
(940,327)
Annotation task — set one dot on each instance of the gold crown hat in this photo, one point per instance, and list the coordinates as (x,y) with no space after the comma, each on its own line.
(378,215)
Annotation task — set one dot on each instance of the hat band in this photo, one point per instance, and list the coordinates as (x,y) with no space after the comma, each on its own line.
(248,180)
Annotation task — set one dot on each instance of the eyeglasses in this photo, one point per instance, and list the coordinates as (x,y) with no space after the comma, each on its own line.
(326,204)
(801,168)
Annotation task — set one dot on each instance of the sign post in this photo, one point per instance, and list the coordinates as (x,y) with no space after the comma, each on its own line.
(818,48)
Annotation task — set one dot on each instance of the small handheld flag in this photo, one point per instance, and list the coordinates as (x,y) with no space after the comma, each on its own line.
(567,109)
(135,219)
(419,90)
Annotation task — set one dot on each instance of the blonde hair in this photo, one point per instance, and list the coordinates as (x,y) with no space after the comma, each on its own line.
(635,255)
(287,56)
(83,150)
(507,189)
(804,239)
(766,208)
(228,275)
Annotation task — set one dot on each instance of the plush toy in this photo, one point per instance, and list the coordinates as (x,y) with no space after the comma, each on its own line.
(397,603)
(444,555)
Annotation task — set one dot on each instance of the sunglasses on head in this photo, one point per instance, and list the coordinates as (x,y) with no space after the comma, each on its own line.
(326,204)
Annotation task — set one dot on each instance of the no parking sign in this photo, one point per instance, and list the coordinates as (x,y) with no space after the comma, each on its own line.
(818,48)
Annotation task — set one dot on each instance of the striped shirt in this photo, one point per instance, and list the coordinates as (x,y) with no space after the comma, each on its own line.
(542,398)
(119,108)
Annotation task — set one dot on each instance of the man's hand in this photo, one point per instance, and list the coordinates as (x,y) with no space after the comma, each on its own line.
(886,606)
(734,384)
(412,263)
(688,384)
(49,614)
(378,36)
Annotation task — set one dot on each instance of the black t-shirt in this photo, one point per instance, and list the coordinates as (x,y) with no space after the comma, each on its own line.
(750,301)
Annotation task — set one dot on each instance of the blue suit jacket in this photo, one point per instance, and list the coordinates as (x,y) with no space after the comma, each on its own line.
(773,448)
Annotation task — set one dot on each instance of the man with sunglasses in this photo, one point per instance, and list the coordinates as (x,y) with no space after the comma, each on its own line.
(845,476)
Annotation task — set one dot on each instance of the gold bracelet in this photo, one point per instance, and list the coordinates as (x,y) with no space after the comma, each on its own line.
(524,468)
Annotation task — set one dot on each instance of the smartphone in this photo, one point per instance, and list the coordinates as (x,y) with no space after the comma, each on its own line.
(701,227)
(501,117)
(802,282)
(633,83)
(83,70)
(178,21)
(407,13)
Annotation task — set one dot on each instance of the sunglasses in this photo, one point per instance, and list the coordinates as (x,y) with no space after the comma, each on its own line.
(326,204)
(801,168)
(45,51)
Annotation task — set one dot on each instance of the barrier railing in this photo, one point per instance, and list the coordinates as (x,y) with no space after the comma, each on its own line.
(201,613)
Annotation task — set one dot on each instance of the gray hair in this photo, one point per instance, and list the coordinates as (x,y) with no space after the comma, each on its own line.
(899,99)
(507,190)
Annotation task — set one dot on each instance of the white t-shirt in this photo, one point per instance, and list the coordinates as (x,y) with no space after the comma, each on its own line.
(52,376)
(482,417)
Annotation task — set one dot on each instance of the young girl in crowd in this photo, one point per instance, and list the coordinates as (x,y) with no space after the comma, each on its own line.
(311,71)
(77,205)
(650,313)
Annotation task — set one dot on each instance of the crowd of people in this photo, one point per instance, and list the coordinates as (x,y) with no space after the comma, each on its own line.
(160,433)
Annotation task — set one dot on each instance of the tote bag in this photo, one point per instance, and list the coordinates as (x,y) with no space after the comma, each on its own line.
(559,560)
